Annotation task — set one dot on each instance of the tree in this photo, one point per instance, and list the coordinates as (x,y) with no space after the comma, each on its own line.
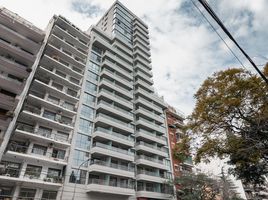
(197,187)
(230,119)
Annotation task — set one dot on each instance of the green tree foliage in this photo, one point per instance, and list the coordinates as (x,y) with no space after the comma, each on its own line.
(197,187)
(231,119)
(181,150)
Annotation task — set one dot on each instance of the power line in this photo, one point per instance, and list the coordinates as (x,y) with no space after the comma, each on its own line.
(219,22)
(215,30)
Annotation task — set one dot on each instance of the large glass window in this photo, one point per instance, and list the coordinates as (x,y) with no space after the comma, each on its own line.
(49,115)
(90,87)
(82,141)
(85,126)
(80,157)
(94,67)
(92,76)
(49,195)
(78,176)
(33,171)
(95,57)
(40,150)
(88,99)
(87,112)
(27,194)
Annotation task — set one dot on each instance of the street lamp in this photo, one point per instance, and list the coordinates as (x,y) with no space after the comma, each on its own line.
(77,176)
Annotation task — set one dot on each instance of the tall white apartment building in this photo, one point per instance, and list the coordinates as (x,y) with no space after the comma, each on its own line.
(89,125)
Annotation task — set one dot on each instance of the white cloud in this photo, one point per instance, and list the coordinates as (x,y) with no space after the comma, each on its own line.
(184,49)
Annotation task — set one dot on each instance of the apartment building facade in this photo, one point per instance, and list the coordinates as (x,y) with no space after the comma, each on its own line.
(90,125)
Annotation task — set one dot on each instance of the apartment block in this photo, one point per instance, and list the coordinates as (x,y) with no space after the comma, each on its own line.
(91,125)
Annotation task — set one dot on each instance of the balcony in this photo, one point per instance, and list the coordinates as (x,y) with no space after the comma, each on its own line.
(144,70)
(116,87)
(143,146)
(115,111)
(151,126)
(144,77)
(151,176)
(124,48)
(16,151)
(80,45)
(11,84)
(150,161)
(152,96)
(104,149)
(108,73)
(145,85)
(27,131)
(138,45)
(151,192)
(34,114)
(126,74)
(138,53)
(113,136)
(10,175)
(118,60)
(111,168)
(146,113)
(55,62)
(110,187)
(149,104)
(116,98)
(151,137)
(140,37)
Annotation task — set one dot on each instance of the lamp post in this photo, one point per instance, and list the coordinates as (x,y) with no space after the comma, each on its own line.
(77,176)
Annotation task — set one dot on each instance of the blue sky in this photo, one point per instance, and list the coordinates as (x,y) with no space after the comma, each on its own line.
(184,48)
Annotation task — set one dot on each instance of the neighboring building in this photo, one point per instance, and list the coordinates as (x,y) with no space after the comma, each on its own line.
(175,122)
(90,125)
(20,42)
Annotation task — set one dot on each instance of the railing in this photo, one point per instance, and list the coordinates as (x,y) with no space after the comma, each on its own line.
(112,165)
(110,183)
(120,77)
(149,159)
(115,107)
(151,146)
(150,102)
(113,83)
(153,95)
(117,59)
(34,151)
(111,93)
(114,134)
(152,174)
(154,189)
(32,109)
(115,120)
(10,172)
(152,123)
(105,146)
(152,134)
(117,67)
(161,116)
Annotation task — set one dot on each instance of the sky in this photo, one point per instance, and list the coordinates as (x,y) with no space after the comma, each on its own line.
(184,48)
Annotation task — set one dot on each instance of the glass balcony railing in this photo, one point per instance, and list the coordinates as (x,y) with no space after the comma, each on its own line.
(103,130)
(152,134)
(152,123)
(105,146)
(112,165)
(149,173)
(152,146)
(149,159)
(110,183)
(113,94)
(115,120)
(116,108)
(116,85)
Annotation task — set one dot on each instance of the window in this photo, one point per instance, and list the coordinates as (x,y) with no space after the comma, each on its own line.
(49,115)
(58,153)
(90,87)
(57,86)
(52,173)
(88,99)
(49,195)
(80,157)
(95,57)
(60,74)
(61,136)
(33,171)
(94,67)
(46,132)
(92,76)
(68,106)
(85,126)
(71,92)
(53,99)
(66,120)
(10,169)
(78,176)
(82,141)
(87,112)
(27,194)
(6,191)
(40,150)
(74,80)
(96,49)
